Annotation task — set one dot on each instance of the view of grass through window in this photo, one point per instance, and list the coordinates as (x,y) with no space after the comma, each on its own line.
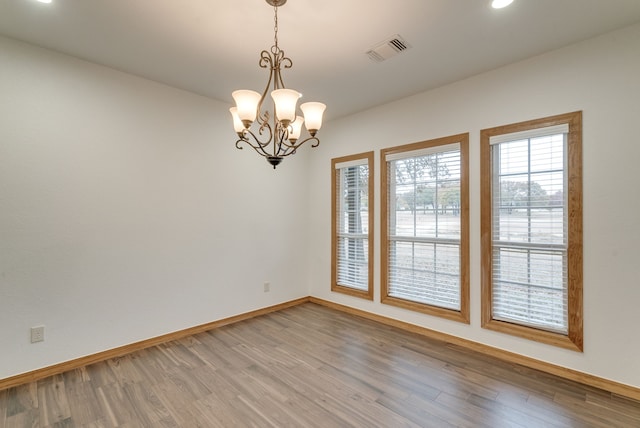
(424,231)
(529,232)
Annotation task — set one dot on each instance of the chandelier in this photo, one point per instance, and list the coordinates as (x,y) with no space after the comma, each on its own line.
(275,135)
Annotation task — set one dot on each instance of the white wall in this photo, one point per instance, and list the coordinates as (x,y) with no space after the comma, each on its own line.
(601,77)
(126,211)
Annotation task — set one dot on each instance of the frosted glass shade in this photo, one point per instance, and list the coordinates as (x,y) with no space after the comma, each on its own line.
(285,101)
(313,116)
(237,123)
(247,104)
(295,129)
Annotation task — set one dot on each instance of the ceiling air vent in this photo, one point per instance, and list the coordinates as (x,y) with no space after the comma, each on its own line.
(390,47)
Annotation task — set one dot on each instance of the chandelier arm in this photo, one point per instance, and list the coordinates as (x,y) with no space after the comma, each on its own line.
(266,61)
(280,141)
(280,61)
(317,141)
(264,124)
(286,61)
(255,142)
(239,141)
(289,150)
(298,144)
(257,148)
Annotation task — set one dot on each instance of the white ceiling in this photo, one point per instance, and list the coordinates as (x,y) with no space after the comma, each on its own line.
(211,47)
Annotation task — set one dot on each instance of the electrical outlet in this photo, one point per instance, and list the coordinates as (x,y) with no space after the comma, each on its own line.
(37,334)
(267,287)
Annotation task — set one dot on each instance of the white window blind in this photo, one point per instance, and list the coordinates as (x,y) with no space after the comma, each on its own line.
(352,224)
(529,228)
(424,226)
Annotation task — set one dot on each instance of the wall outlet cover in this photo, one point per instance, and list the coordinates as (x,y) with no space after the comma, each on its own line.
(37,334)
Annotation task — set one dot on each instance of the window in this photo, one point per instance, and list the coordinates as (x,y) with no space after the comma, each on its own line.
(425,227)
(531,221)
(352,225)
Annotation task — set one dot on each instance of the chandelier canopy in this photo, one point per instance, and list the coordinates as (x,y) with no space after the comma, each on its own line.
(276,134)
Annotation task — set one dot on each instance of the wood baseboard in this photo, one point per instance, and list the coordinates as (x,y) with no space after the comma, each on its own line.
(617,388)
(611,386)
(127,349)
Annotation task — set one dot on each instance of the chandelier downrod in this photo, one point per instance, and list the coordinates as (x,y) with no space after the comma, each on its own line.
(278,133)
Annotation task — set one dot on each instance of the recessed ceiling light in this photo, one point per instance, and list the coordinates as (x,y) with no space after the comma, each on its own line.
(499,4)
(45,1)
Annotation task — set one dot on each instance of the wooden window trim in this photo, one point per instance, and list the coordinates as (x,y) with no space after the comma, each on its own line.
(574,339)
(368,294)
(463,314)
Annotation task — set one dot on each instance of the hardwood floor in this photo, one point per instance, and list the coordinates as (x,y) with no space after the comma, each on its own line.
(310,366)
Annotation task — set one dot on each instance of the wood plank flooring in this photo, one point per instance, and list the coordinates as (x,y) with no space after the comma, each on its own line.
(310,366)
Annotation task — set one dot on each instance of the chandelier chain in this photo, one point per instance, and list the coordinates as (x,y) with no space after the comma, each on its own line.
(275,27)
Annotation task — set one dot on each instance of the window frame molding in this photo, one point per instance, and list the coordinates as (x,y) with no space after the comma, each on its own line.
(335,287)
(462,315)
(574,339)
